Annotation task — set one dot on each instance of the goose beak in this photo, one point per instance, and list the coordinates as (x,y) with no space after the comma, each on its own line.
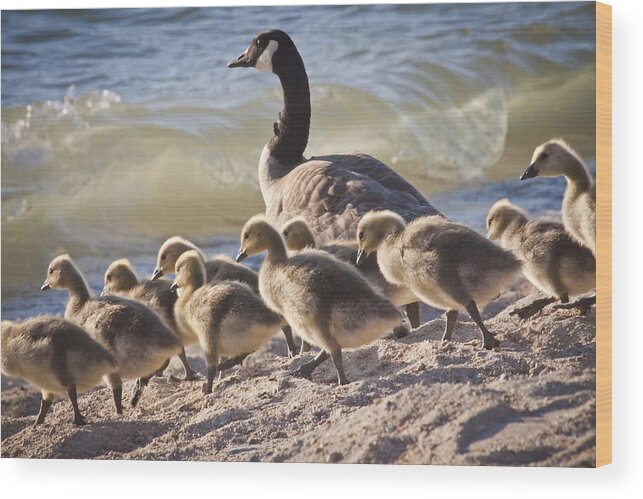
(530,172)
(241,255)
(157,273)
(243,61)
(174,287)
(360,257)
(45,286)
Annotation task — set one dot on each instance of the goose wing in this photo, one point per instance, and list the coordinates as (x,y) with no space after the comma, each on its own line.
(333,192)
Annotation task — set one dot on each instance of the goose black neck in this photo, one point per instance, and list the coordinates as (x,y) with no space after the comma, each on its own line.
(291,132)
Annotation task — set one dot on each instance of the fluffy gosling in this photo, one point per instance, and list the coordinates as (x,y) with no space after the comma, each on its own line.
(448,265)
(139,339)
(228,318)
(120,279)
(553,261)
(327,301)
(56,357)
(218,269)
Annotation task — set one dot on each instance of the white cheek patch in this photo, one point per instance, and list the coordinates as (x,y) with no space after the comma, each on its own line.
(264,62)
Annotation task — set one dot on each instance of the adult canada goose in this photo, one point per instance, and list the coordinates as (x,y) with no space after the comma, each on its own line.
(120,279)
(55,356)
(139,339)
(326,300)
(298,236)
(218,269)
(553,261)
(228,318)
(552,159)
(330,192)
(448,265)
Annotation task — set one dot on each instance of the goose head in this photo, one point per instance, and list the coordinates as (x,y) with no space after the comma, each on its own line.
(119,276)
(62,273)
(269,51)
(297,234)
(501,215)
(551,159)
(373,229)
(168,254)
(190,271)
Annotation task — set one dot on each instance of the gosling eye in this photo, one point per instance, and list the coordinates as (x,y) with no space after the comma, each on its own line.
(109,277)
(162,257)
(361,236)
(543,156)
(51,271)
(285,233)
(246,236)
(489,222)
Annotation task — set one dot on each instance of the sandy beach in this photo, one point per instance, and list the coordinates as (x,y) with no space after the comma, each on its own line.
(410,401)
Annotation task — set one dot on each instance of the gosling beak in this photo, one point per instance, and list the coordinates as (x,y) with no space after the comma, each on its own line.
(157,273)
(530,172)
(104,292)
(361,256)
(45,286)
(241,255)
(243,61)
(174,287)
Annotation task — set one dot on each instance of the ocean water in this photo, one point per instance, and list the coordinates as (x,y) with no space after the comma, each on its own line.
(122,127)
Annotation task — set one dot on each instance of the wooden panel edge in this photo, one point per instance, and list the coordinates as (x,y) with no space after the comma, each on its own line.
(604,234)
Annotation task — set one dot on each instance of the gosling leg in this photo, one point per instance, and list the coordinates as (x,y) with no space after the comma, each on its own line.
(452,317)
(533,308)
(79,419)
(292,349)
(212,372)
(582,304)
(306,370)
(115,382)
(189,375)
(45,404)
(141,383)
(413,313)
(339,366)
(488,339)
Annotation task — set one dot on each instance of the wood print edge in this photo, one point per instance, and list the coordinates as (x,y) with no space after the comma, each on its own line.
(604,234)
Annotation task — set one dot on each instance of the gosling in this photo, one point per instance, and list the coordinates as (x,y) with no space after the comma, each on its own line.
(447,265)
(299,236)
(553,261)
(139,339)
(56,357)
(327,301)
(554,158)
(218,269)
(121,280)
(228,318)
